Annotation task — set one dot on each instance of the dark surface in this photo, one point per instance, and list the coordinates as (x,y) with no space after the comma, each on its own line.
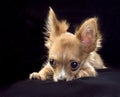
(107,84)
(22,48)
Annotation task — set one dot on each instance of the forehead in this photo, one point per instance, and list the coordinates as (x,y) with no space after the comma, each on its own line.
(67,45)
(67,40)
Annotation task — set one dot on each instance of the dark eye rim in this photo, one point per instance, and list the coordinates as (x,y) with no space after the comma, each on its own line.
(52,62)
(76,67)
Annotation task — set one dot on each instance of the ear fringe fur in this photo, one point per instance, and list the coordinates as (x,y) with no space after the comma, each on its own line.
(63,27)
(51,32)
(98,34)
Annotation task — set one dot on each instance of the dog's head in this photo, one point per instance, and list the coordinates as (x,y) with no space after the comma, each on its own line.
(67,51)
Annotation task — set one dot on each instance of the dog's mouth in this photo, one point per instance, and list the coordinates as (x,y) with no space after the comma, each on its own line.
(63,78)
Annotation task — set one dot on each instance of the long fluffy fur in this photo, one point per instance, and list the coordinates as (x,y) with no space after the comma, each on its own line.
(65,48)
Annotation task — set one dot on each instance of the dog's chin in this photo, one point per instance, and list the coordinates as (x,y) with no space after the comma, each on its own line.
(56,79)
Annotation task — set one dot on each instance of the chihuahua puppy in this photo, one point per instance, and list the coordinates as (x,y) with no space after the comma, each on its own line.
(70,56)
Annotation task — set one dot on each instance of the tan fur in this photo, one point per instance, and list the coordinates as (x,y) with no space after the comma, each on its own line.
(66,48)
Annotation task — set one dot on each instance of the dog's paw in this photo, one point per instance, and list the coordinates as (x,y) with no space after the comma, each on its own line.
(82,73)
(85,73)
(34,76)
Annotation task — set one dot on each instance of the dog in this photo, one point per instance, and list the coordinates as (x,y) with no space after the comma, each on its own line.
(70,56)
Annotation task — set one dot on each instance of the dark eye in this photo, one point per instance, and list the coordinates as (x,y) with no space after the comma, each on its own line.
(52,62)
(74,65)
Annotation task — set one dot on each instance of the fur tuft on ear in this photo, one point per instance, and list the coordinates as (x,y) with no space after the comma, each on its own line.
(89,35)
(54,27)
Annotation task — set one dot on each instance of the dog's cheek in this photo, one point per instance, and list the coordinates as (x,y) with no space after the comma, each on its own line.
(55,74)
(70,74)
(55,77)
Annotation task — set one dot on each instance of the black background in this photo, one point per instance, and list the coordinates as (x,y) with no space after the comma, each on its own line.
(22,48)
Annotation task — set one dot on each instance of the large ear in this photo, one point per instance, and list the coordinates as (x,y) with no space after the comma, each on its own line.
(89,35)
(54,27)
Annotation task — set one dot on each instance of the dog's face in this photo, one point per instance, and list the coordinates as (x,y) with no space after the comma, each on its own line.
(65,57)
(67,51)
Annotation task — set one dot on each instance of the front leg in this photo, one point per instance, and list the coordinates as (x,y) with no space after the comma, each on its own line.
(86,71)
(44,74)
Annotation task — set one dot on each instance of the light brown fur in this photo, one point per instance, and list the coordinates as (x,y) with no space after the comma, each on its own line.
(65,48)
